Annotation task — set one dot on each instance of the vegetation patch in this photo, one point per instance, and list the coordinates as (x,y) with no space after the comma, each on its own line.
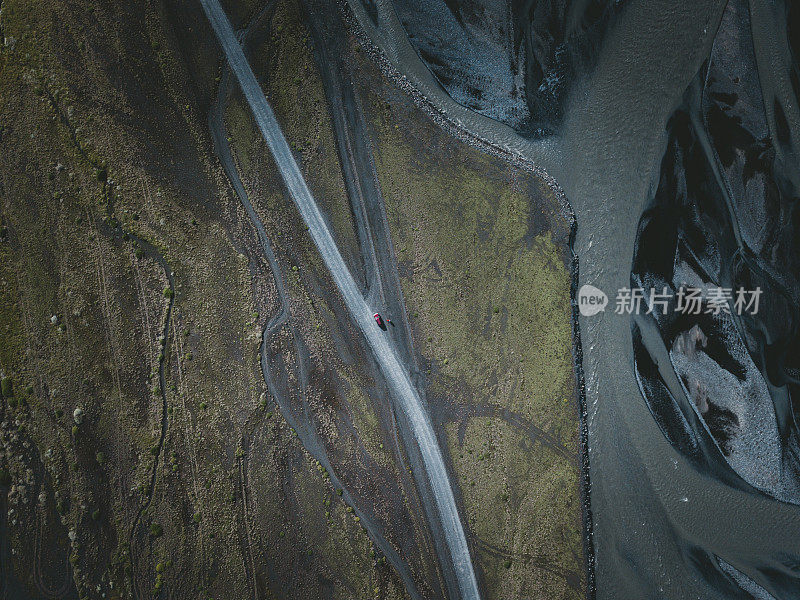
(483,258)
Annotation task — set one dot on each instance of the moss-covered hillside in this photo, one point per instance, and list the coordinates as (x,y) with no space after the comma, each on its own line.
(187,409)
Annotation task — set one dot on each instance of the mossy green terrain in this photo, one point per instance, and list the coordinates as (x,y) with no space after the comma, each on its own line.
(483,256)
(142,453)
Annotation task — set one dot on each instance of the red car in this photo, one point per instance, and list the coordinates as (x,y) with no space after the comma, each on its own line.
(379,320)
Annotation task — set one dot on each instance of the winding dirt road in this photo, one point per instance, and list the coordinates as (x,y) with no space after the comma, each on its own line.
(396,375)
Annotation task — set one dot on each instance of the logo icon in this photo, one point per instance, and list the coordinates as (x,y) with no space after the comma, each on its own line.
(591,300)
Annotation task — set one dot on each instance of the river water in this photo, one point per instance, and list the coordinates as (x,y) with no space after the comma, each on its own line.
(673,515)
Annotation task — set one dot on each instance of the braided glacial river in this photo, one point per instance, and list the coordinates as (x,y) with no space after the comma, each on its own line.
(684,504)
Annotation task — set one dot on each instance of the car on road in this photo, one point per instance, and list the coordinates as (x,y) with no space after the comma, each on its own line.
(379,320)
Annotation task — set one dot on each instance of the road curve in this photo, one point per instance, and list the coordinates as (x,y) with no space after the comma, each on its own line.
(219,134)
(396,376)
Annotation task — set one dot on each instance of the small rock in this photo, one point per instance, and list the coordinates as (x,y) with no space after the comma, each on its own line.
(54,319)
(77,416)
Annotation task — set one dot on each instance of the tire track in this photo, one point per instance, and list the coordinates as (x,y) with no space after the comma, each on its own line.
(393,370)
(283,319)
